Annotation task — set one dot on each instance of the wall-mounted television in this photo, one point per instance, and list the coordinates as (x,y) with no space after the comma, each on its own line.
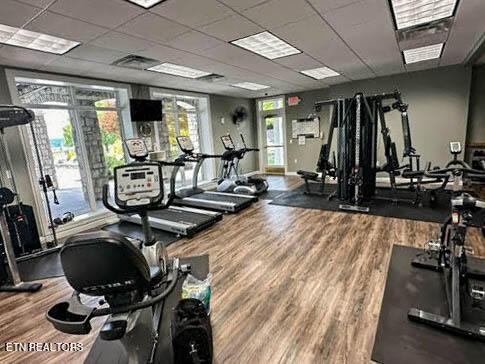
(145,110)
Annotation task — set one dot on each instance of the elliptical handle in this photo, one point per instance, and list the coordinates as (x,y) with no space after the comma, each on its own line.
(107,204)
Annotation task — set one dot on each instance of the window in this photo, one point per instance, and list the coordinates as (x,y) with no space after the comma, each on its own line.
(80,138)
(185,115)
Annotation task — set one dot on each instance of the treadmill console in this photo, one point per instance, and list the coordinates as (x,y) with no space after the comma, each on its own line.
(228,143)
(185,144)
(138,185)
(137,148)
(455,148)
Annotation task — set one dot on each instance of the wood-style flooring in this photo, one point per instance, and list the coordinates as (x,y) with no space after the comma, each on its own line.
(290,285)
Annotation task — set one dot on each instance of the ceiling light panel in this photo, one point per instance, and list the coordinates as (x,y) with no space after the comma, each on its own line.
(423,53)
(33,40)
(146,3)
(267,45)
(176,70)
(409,13)
(250,86)
(320,73)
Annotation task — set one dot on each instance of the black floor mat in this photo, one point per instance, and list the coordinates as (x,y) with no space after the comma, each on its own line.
(400,341)
(41,267)
(136,232)
(379,207)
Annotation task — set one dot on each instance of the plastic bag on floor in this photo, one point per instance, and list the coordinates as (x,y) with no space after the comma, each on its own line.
(201,290)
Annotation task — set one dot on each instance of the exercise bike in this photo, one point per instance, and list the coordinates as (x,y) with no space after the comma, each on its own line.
(229,178)
(448,255)
(134,278)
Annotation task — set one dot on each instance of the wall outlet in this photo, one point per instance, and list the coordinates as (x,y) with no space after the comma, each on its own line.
(223,121)
(296,161)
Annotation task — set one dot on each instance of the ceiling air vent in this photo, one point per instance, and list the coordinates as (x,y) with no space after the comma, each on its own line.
(136,62)
(211,78)
(430,33)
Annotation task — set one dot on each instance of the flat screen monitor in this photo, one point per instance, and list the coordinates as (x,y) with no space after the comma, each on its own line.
(145,110)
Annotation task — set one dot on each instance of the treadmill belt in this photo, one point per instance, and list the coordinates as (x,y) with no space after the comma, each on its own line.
(182,216)
(221,198)
(135,231)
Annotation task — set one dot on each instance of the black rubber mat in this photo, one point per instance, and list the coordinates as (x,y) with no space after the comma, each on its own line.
(41,267)
(135,231)
(378,206)
(400,341)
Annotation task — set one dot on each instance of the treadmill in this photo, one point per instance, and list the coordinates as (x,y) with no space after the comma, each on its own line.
(183,221)
(199,198)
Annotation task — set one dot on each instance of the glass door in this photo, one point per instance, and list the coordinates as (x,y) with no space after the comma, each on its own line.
(272,128)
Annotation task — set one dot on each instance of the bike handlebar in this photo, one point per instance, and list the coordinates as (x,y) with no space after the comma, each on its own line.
(462,169)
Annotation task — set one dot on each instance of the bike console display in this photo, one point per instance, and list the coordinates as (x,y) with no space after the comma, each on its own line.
(185,144)
(138,185)
(137,148)
(455,147)
(228,143)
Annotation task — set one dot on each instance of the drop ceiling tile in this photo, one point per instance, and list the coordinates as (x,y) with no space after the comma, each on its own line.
(193,13)
(93,53)
(231,28)
(36,3)
(194,41)
(162,53)
(153,27)
(72,66)
(64,27)
(326,5)
(299,62)
(357,13)
(279,12)
(16,14)
(122,42)
(241,5)
(22,57)
(106,13)
(327,48)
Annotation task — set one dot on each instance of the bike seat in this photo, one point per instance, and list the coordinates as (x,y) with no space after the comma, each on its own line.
(308,175)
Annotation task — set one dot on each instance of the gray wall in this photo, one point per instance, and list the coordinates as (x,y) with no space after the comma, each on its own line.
(222,107)
(476,119)
(438,110)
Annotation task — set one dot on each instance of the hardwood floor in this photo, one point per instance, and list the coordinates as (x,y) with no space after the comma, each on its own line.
(290,286)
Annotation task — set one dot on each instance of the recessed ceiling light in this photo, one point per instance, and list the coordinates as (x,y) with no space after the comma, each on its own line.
(250,86)
(33,40)
(176,70)
(147,4)
(266,45)
(408,13)
(423,53)
(320,73)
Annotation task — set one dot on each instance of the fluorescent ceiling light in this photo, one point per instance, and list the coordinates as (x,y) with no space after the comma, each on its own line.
(423,53)
(176,70)
(409,13)
(146,3)
(320,73)
(33,40)
(250,86)
(266,45)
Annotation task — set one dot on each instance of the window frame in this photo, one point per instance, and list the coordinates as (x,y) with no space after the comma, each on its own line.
(123,111)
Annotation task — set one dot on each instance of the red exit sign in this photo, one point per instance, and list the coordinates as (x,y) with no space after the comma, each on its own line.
(293,100)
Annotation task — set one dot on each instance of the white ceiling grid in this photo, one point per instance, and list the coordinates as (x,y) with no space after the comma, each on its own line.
(356,38)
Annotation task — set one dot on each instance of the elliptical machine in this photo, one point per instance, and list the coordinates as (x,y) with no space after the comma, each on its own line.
(229,178)
(134,278)
(464,292)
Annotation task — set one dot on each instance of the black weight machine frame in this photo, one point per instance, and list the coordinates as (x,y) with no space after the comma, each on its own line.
(357,121)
